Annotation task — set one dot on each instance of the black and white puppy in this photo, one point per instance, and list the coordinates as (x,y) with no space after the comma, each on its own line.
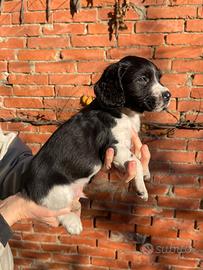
(75,152)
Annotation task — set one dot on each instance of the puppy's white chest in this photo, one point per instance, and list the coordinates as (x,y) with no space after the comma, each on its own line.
(123,129)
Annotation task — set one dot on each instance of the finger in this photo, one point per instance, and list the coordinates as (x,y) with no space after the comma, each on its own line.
(136,143)
(131,171)
(108,158)
(145,156)
(52,221)
(41,211)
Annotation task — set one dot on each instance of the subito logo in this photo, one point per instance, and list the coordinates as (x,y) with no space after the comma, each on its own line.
(147,249)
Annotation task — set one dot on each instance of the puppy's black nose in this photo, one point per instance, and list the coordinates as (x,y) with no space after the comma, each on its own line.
(166,96)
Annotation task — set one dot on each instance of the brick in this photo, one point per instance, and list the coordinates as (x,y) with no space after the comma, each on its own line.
(120,264)
(167,232)
(195,145)
(191,234)
(22,103)
(24,245)
(178,261)
(59,4)
(173,223)
(62,104)
(55,67)
(63,29)
(30,17)
(75,240)
(134,257)
(36,5)
(159,26)
(194,25)
(3,66)
(7,55)
(69,79)
(104,224)
(178,203)
(28,79)
(187,66)
(131,219)
(19,67)
(199,157)
(181,133)
(19,127)
(115,245)
(198,245)
(156,241)
(187,169)
(140,39)
(95,234)
(96,252)
(194,117)
(176,180)
(20,31)
(160,117)
(81,54)
(163,64)
(59,248)
(5,19)
(92,66)
(167,144)
(74,259)
(33,114)
(196,92)
(182,39)
(198,79)
(174,156)
(102,28)
(78,91)
(37,55)
(118,53)
(5,91)
(39,237)
(188,192)
(91,41)
(185,106)
(82,16)
(171,79)
(33,91)
(48,42)
(12,43)
(178,52)
(180,91)
(13,6)
(34,138)
(171,12)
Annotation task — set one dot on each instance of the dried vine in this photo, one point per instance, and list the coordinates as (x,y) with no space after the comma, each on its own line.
(117,18)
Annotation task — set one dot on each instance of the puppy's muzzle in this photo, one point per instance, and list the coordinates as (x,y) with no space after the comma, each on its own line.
(166,95)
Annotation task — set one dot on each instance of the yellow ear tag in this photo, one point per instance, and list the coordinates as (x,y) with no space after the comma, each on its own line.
(86,100)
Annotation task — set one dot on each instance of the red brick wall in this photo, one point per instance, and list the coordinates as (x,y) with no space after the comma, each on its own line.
(46,67)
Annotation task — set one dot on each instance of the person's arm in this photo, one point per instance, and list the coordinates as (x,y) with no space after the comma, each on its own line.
(5,233)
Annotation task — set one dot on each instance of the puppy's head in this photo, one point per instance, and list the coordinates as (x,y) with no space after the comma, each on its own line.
(133,82)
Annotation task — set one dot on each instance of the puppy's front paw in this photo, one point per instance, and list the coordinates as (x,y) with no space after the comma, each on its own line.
(72,223)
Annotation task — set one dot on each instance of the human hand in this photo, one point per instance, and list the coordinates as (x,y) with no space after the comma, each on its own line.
(139,149)
(16,208)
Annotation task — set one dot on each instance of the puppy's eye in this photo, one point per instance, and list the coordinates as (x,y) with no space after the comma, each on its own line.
(143,79)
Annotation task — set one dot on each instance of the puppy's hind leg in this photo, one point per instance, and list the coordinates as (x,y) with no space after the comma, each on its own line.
(60,197)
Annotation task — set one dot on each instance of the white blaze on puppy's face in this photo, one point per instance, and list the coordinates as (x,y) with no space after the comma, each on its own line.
(161,93)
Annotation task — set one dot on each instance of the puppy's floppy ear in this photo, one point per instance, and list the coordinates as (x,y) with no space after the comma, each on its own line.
(109,89)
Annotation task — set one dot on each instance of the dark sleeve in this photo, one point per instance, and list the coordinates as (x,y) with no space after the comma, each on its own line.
(15,162)
(5,231)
